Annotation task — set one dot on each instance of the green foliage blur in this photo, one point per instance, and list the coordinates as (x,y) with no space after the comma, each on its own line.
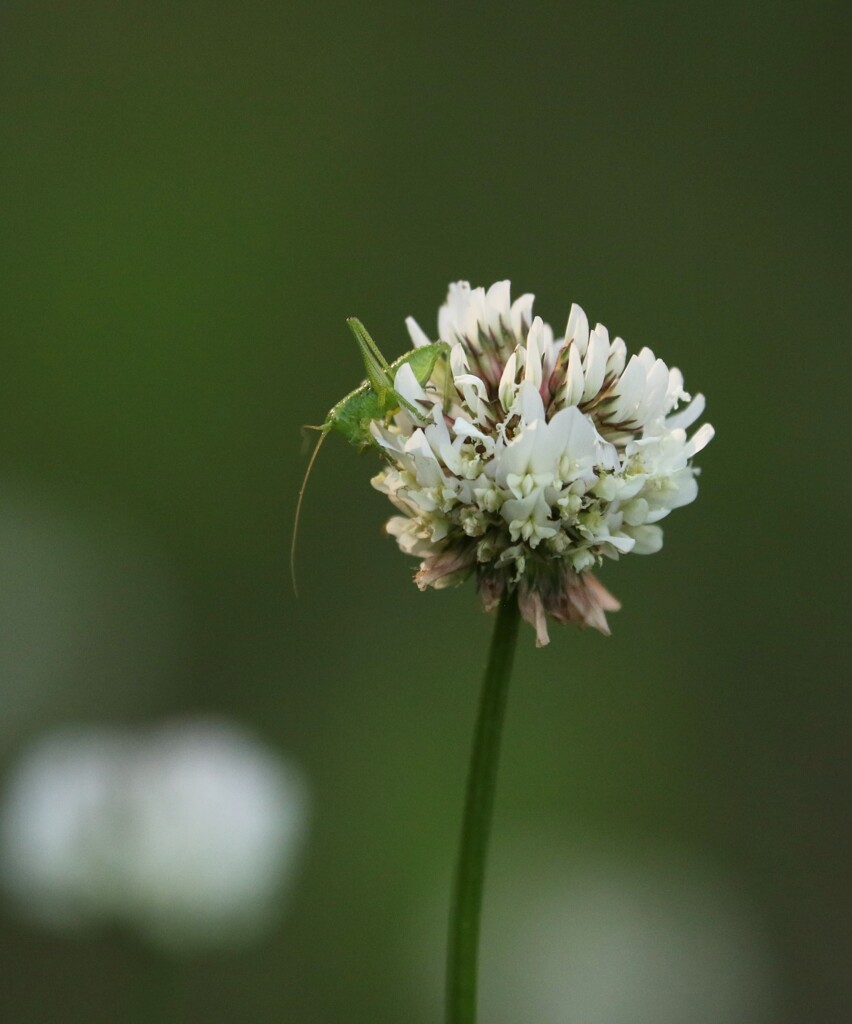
(195,196)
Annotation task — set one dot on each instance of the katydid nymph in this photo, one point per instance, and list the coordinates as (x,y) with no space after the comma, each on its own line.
(373,399)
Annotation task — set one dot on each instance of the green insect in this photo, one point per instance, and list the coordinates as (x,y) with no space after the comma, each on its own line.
(373,399)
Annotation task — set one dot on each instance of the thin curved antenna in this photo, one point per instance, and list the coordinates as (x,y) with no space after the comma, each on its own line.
(323,435)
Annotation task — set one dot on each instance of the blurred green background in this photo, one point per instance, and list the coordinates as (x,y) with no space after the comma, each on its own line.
(194,197)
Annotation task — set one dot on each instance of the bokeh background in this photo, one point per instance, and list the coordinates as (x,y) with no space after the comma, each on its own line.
(194,197)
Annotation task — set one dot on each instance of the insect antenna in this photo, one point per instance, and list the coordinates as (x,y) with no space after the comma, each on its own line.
(304,431)
(323,435)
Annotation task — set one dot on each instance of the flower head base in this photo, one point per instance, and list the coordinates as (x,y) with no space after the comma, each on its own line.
(530,458)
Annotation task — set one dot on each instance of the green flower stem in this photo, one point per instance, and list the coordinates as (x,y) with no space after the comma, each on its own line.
(479,803)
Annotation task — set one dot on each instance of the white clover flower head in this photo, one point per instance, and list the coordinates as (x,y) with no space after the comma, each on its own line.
(531,458)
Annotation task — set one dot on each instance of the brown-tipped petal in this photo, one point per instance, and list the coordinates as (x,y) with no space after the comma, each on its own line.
(532,610)
(591,601)
(604,598)
(450,562)
(491,586)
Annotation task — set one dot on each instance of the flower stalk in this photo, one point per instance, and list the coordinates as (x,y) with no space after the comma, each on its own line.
(465,912)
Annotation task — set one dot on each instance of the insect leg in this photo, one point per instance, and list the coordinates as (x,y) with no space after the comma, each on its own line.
(378,371)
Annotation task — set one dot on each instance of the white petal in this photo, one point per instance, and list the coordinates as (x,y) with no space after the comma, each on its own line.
(470,380)
(458,360)
(617,358)
(452,314)
(578,328)
(686,492)
(550,351)
(621,542)
(474,317)
(606,455)
(436,432)
(515,509)
(700,439)
(652,405)
(427,468)
(528,404)
(508,387)
(514,459)
(521,315)
(629,390)
(498,307)
(594,364)
(418,336)
(688,415)
(405,384)
(462,428)
(675,392)
(532,363)
(575,432)
(550,444)
(649,539)
(528,518)
(646,357)
(574,377)
(475,393)
(635,512)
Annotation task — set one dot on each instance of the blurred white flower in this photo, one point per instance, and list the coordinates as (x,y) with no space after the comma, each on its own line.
(532,457)
(605,937)
(188,833)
